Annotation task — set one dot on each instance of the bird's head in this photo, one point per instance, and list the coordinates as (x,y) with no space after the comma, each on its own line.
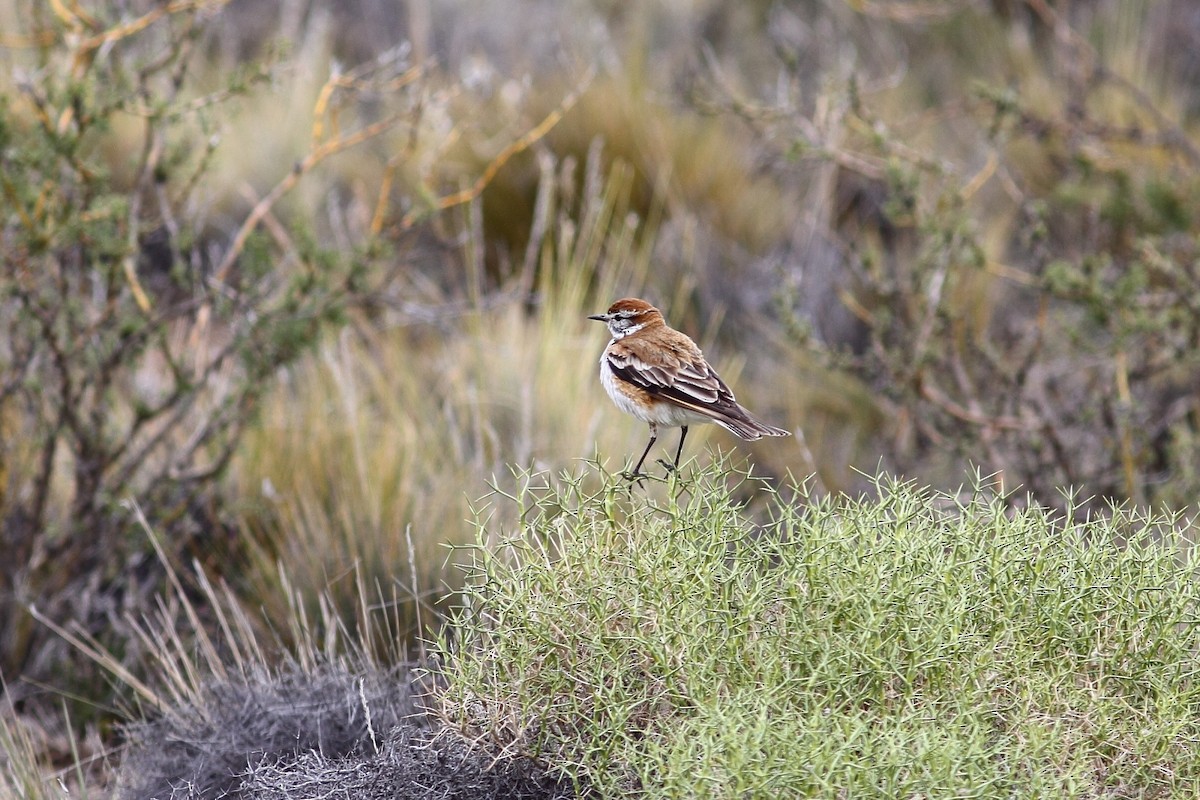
(629,316)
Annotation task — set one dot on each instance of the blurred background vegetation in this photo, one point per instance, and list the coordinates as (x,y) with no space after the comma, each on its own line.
(302,281)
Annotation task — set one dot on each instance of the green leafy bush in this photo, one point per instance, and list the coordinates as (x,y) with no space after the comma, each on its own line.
(1001,247)
(912,645)
(138,334)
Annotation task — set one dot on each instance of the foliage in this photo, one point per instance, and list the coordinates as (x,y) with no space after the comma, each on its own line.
(937,232)
(1017,245)
(137,343)
(912,645)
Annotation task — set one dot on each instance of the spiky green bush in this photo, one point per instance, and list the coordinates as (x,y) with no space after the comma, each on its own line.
(714,639)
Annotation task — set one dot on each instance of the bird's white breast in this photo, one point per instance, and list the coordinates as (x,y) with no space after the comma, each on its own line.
(659,412)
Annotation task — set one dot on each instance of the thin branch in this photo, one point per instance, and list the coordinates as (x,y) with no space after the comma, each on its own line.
(1173,133)
(940,399)
(302,168)
(521,144)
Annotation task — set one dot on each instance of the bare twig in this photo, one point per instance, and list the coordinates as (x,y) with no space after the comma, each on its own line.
(519,145)
(1174,135)
(302,168)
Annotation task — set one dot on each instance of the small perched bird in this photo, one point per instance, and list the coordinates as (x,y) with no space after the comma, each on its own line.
(659,375)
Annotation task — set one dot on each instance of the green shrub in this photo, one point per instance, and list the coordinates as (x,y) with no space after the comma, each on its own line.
(1013,230)
(912,645)
(139,332)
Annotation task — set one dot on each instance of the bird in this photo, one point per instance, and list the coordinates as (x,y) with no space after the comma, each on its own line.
(658,375)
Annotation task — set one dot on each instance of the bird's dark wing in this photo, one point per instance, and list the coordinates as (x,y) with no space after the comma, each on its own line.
(680,375)
(675,375)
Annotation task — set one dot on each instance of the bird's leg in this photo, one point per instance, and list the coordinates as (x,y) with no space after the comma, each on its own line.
(679,452)
(653,438)
(667,465)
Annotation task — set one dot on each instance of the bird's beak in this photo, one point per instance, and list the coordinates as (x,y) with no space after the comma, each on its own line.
(600,317)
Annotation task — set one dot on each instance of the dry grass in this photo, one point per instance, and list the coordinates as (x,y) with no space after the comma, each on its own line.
(368,456)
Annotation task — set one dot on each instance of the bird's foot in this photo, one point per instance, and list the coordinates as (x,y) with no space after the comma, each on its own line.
(634,476)
(668,466)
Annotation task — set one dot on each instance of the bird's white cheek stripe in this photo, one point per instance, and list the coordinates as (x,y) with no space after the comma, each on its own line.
(622,334)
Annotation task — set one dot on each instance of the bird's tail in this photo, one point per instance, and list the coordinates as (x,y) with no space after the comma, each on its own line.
(743,424)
